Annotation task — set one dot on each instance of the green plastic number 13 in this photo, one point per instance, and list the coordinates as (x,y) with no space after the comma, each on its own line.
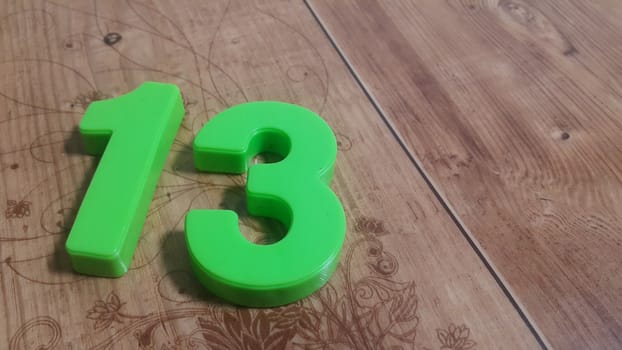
(136,131)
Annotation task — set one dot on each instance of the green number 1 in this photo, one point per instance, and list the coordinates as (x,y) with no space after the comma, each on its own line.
(294,190)
(135,133)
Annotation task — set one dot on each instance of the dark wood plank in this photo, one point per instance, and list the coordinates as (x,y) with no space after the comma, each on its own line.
(408,277)
(513,109)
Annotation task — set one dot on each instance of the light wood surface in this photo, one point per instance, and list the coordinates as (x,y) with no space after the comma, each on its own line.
(408,276)
(513,109)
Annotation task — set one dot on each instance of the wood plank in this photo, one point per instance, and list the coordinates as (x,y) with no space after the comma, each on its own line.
(408,276)
(512,108)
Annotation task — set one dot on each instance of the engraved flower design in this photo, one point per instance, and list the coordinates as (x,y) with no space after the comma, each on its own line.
(370,225)
(106,312)
(455,338)
(17,209)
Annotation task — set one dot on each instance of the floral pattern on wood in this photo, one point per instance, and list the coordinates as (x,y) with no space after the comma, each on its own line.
(455,338)
(17,209)
(369,312)
(107,312)
(365,306)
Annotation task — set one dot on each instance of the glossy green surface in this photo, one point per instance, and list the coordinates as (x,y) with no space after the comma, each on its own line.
(294,190)
(134,132)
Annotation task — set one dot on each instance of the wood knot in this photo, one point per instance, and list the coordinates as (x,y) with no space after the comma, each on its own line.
(112,38)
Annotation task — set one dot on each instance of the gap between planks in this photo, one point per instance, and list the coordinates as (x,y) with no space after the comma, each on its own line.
(466,233)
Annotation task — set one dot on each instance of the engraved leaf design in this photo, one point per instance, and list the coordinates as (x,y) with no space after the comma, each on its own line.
(308,327)
(261,326)
(243,329)
(286,317)
(382,320)
(214,335)
(250,342)
(469,344)
(278,340)
(232,325)
(328,295)
(343,311)
(404,306)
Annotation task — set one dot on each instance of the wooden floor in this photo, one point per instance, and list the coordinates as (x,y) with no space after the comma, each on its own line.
(480,168)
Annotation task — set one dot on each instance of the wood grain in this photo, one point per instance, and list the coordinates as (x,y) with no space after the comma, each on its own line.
(512,108)
(408,276)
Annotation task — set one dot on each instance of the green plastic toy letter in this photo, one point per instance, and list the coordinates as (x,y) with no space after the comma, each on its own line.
(134,132)
(294,190)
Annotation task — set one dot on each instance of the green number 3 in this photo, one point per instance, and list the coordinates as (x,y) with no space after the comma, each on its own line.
(294,191)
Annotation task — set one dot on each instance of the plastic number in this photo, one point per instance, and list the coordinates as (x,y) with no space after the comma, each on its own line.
(135,133)
(294,190)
